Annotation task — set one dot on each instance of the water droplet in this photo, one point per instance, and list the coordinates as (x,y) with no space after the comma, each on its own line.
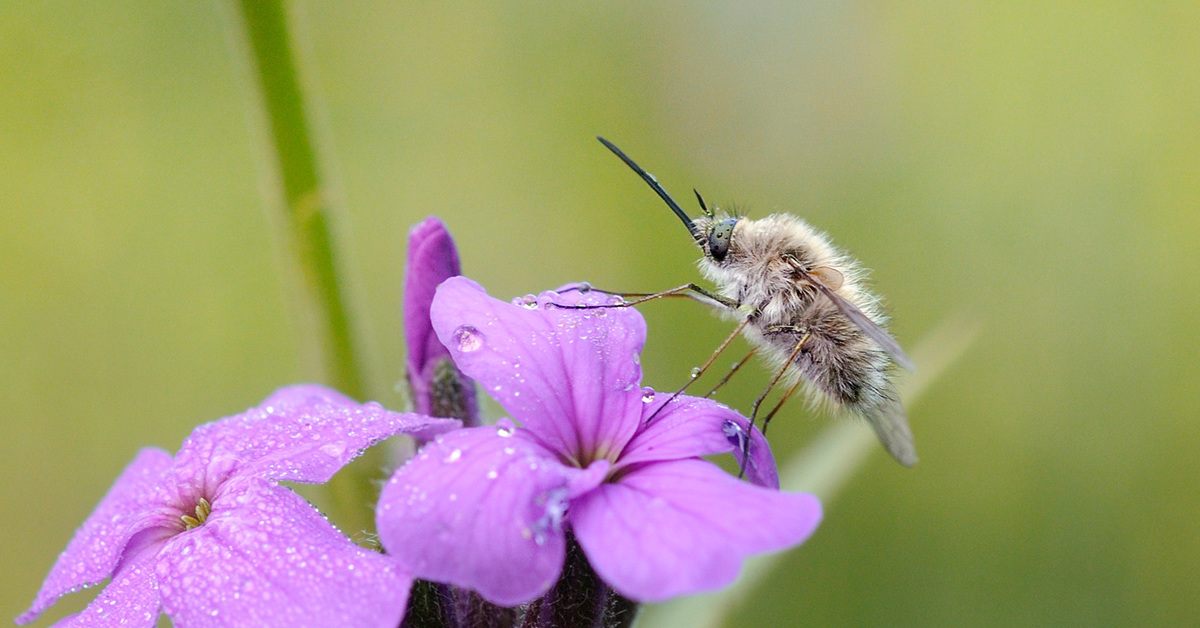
(735,434)
(552,517)
(491,475)
(468,338)
(505,428)
(695,372)
(528,302)
(647,395)
(616,299)
(454,456)
(334,450)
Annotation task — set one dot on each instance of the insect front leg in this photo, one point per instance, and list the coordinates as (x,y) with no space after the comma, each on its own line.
(687,290)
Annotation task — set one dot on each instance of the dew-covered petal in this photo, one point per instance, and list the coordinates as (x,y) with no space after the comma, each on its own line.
(568,375)
(300,433)
(131,599)
(693,426)
(482,508)
(97,546)
(685,526)
(265,557)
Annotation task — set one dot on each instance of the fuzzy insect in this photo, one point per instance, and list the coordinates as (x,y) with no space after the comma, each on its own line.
(803,305)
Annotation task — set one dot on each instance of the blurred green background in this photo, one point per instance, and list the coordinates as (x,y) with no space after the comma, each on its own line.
(1032,166)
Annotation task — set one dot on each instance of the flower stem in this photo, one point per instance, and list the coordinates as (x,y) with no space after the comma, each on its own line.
(305,207)
(580,599)
(298,205)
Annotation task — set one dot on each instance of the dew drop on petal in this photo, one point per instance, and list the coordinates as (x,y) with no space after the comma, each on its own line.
(616,299)
(468,338)
(735,433)
(454,456)
(334,450)
(552,517)
(505,428)
(647,395)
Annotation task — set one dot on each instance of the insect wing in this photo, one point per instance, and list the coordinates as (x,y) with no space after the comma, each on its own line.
(891,426)
(855,315)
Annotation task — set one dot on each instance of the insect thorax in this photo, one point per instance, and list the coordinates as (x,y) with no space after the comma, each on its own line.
(756,271)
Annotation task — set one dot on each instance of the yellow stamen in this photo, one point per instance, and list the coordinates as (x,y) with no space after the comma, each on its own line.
(203,508)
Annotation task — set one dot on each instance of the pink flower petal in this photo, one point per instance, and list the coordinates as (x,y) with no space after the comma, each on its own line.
(96,548)
(301,433)
(571,376)
(432,259)
(682,527)
(692,426)
(131,599)
(265,557)
(481,508)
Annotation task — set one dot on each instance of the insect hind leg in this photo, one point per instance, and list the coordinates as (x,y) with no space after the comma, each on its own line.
(771,386)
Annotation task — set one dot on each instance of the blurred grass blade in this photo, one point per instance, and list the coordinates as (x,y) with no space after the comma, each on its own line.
(298,205)
(822,468)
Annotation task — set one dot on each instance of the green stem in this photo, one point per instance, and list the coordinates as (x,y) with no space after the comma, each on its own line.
(298,203)
(306,205)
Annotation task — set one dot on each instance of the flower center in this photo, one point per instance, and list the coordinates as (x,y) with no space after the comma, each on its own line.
(203,508)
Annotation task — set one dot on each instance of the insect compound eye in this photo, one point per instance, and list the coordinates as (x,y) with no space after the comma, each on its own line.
(718,239)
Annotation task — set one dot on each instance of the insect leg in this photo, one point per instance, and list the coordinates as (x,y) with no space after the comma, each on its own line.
(697,292)
(774,380)
(697,373)
(733,369)
(791,391)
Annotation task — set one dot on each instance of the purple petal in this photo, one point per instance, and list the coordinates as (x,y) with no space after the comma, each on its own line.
(692,426)
(569,376)
(432,259)
(482,508)
(265,557)
(97,546)
(131,599)
(300,433)
(682,527)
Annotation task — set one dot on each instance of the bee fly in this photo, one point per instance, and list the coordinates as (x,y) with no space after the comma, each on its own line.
(802,304)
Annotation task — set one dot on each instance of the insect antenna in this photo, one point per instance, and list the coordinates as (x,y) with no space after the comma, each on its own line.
(703,207)
(654,185)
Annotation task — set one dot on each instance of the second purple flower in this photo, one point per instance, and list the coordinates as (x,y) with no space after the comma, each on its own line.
(490,508)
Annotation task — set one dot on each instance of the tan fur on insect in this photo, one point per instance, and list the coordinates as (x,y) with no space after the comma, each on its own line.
(804,304)
(839,364)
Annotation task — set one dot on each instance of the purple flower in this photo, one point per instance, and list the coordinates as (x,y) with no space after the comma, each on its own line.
(211,538)
(438,388)
(489,508)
